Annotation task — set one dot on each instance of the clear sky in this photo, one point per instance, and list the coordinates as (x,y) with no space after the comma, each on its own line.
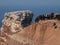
(29,2)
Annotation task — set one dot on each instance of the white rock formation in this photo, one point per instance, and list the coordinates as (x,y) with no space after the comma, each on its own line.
(16,21)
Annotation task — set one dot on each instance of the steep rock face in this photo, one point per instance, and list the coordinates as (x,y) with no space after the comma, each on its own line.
(46,32)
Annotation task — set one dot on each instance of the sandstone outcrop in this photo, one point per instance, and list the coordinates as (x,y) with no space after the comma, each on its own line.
(45,32)
(41,33)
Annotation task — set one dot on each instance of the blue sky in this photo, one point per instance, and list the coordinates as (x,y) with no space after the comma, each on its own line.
(49,5)
(29,2)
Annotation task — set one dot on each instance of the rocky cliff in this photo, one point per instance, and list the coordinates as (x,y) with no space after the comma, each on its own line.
(45,32)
